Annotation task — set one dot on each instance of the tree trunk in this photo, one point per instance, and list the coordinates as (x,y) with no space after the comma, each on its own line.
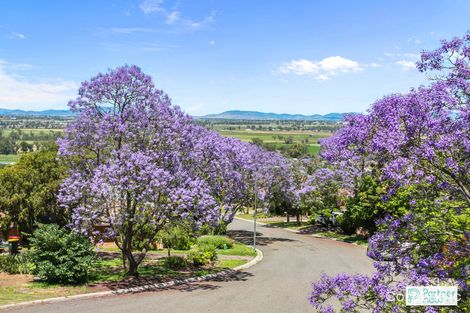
(220,229)
(130,264)
(287,217)
(298,218)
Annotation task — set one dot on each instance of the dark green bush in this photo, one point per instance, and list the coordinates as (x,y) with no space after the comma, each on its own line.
(364,208)
(16,264)
(175,262)
(61,256)
(219,242)
(202,254)
(348,225)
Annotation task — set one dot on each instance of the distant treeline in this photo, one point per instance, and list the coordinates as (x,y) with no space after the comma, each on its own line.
(36,122)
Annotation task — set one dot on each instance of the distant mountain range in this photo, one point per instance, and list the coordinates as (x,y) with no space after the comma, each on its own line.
(227,115)
(254,115)
(57,113)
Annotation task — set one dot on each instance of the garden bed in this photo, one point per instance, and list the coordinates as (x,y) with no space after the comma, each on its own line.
(109,275)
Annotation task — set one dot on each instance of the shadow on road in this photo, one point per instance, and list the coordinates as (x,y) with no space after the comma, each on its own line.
(246,237)
(182,286)
(229,277)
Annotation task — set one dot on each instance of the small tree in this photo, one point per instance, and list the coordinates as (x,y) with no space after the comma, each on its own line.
(28,192)
(176,237)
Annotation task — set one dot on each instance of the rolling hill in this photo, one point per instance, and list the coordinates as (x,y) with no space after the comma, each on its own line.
(255,115)
(58,113)
(227,115)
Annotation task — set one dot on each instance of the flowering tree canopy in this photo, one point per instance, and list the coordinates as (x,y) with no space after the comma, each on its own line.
(419,144)
(137,163)
(420,136)
(125,160)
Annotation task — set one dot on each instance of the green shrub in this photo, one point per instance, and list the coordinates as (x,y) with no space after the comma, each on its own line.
(176,237)
(219,242)
(61,256)
(16,264)
(175,262)
(202,254)
(348,225)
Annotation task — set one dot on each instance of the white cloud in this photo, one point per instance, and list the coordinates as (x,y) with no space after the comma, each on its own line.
(414,40)
(405,55)
(151,6)
(406,65)
(204,22)
(405,60)
(375,65)
(18,92)
(321,70)
(173,17)
(212,42)
(18,35)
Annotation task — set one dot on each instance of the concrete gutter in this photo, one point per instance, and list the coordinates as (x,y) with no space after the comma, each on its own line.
(150,287)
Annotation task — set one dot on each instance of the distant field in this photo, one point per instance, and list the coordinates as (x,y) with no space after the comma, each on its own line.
(9,158)
(35,131)
(272,136)
(279,137)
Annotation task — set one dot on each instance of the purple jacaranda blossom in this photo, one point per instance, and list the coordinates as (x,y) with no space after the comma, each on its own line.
(417,139)
(137,163)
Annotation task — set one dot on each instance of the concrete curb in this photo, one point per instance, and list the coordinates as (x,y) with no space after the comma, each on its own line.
(150,287)
(298,232)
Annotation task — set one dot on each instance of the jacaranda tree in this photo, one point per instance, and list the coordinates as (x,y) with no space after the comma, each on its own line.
(137,163)
(126,152)
(420,145)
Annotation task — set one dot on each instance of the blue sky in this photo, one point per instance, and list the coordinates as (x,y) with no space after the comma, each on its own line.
(210,56)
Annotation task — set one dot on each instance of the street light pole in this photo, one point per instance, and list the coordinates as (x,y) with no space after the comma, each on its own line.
(254,217)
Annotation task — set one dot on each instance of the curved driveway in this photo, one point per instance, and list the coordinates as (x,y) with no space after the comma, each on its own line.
(280,283)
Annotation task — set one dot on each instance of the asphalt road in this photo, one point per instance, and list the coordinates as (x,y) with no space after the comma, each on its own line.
(280,283)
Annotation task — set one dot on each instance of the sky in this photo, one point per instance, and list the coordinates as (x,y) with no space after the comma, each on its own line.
(306,57)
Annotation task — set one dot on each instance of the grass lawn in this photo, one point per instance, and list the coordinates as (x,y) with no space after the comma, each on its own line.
(108,274)
(33,291)
(230,263)
(238,249)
